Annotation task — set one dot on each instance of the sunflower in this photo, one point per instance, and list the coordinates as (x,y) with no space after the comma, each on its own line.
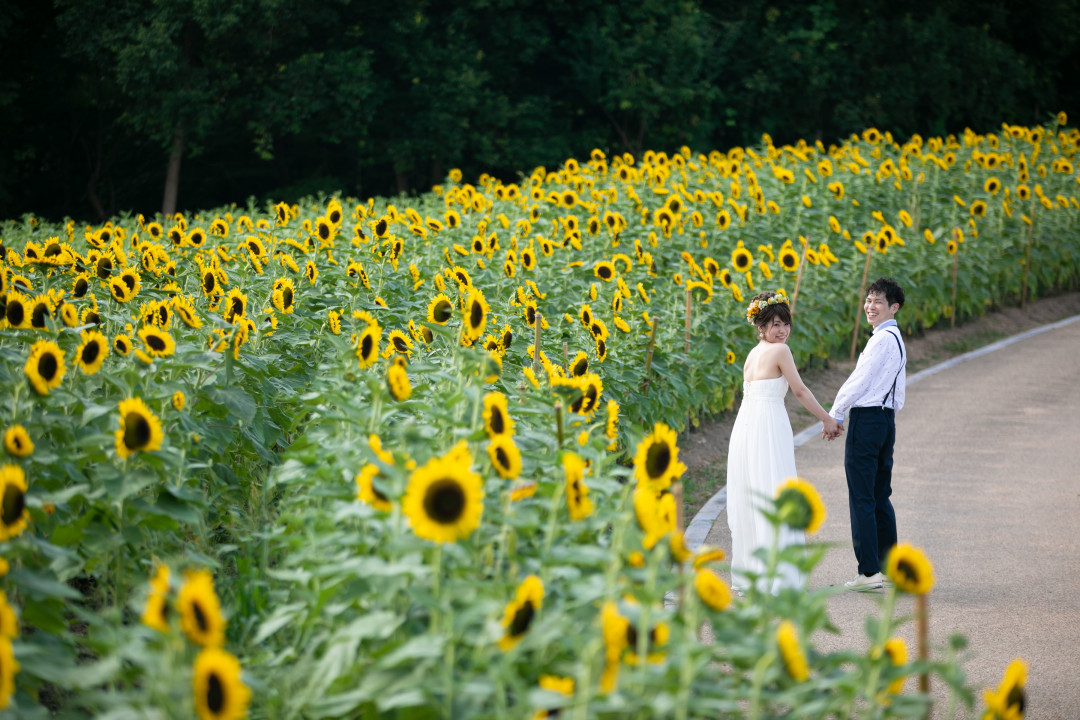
(91,354)
(712,589)
(789,259)
(234,306)
(367,345)
(440,309)
(311,272)
(200,610)
(103,267)
(951,247)
(156,612)
(283,296)
(978,209)
(577,492)
(8,667)
(910,569)
(40,310)
(178,400)
(787,638)
(444,498)
(615,630)
(17,311)
(140,429)
(122,345)
(605,270)
(505,456)
(367,492)
(799,506)
(580,365)
(17,441)
(13,513)
(220,693)
(656,462)
(45,366)
(521,611)
(992,185)
(476,311)
(896,650)
(157,342)
(1009,701)
(398,381)
(497,420)
(208,283)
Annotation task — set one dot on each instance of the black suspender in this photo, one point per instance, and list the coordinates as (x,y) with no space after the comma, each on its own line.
(892,392)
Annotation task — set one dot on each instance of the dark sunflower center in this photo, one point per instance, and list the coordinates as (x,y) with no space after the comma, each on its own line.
(530,315)
(789,261)
(200,617)
(507,338)
(658,459)
(522,619)
(581,367)
(136,437)
(441,313)
(601,348)
(14,503)
(502,459)
(366,345)
(605,272)
(324,231)
(129,280)
(380,227)
(163,315)
(1017,698)
(156,343)
(476,314)
(92,318)
(215,694)
(52,249)
(498,424)
(208,282)
(47,366)
(81,286)
(104,268)
(426,332)
(38,315)
(444,501)
(254,247)
(399,344)
(287,296)
(90,353)
(907,571)
(16,313)
(237,307)
(335,217)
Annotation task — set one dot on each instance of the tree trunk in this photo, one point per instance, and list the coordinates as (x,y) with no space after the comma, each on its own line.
(172,176)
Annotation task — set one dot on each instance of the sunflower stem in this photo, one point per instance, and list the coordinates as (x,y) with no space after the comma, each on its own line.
(436,587)
(884,628)
(759,682)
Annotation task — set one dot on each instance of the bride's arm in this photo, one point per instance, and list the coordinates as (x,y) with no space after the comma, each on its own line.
(798,387)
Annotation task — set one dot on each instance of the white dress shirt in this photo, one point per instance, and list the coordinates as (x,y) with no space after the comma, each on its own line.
(872,380)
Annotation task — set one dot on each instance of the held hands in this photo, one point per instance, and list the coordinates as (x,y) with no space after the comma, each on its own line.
(831,429)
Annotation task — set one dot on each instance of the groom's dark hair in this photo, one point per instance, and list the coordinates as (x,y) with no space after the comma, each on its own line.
(894,294)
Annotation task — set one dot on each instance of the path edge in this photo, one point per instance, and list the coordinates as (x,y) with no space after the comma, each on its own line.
(703,520)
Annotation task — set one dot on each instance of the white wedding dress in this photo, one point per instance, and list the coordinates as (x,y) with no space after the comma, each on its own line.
(761,457)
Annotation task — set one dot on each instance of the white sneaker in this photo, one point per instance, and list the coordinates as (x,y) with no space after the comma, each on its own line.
(863,583)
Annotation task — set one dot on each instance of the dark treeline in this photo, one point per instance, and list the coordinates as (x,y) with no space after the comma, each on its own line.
(142,105)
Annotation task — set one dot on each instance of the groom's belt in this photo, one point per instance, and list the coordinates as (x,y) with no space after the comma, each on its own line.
(871,408)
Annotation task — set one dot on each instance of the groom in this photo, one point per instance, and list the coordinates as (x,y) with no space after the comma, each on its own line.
(871,397)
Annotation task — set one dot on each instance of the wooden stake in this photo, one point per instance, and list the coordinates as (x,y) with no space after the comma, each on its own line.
(1027,254)
(798,277)
(558,423)
(536,345)
(648,355)
(922,619)
(862,296)
(689,298)
(955,267)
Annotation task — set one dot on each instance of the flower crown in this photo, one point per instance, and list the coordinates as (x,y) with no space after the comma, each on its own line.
(757,306)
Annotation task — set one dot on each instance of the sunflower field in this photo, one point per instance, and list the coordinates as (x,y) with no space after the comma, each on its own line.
(418,458)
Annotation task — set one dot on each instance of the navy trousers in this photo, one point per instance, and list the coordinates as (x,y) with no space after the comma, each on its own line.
(868,460)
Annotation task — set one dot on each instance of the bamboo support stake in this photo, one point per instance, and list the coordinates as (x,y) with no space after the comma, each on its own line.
(689,298)
(566,357)
(798,277)
(536,344)
(862,295)
(922,619)
(955,267)
(648,354)
(1027,255)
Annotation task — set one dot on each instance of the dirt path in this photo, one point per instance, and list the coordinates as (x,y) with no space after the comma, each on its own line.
(706,449)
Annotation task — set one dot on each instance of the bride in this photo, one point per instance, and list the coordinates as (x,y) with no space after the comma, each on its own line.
(761,453)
